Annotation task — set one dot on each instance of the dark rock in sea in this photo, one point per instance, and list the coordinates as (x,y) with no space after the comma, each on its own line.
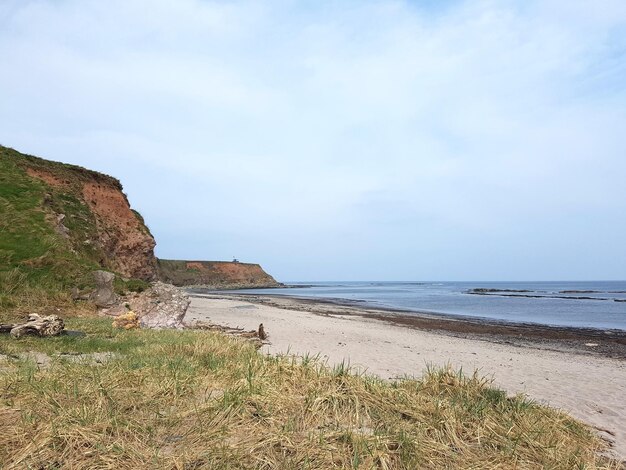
(484,290)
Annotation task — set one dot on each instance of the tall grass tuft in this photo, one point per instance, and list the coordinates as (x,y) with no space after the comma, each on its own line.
(191,399)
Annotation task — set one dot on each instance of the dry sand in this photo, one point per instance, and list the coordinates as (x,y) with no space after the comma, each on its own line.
(590,388)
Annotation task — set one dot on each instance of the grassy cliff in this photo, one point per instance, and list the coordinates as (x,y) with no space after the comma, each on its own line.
(57,224)
(215,274)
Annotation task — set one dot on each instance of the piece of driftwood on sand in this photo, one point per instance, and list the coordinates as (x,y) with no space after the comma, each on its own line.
(256,337)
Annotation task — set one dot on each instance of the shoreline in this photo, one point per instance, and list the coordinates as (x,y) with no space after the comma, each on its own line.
(609,343)
(586,382)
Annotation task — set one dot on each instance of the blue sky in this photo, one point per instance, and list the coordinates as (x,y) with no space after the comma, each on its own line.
(476,140)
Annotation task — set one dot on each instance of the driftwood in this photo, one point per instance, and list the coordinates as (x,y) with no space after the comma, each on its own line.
(50,325)
(256,337)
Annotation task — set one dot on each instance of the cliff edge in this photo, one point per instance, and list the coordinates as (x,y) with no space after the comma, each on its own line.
(59,222)
(215,274)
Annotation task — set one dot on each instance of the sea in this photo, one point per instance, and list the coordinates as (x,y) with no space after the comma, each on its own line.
(588,304)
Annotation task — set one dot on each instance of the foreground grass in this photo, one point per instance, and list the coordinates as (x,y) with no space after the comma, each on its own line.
(192,399)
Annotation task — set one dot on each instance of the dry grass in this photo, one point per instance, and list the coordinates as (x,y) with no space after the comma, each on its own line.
(18,299)
(195,399)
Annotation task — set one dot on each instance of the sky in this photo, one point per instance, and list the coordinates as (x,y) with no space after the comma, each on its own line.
(352,140)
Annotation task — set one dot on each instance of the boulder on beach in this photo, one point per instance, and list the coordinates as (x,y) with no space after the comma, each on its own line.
(104,294)
(128,321)
(160,306)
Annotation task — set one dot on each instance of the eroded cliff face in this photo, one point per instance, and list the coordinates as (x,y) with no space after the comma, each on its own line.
(91,215)
(215,274)
(122,234)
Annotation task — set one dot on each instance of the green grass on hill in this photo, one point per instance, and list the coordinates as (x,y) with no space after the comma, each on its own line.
(38,266)
(195,399)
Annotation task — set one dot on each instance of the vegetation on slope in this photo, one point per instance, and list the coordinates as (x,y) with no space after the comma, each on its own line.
(39,264)
(196,399)
(36,263)
(216,274)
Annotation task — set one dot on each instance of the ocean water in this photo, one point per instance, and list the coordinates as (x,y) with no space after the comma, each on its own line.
(594,304)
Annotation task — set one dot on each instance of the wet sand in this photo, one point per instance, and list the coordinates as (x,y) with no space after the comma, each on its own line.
(581,371)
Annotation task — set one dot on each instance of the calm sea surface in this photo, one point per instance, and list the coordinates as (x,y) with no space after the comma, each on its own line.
(593,304)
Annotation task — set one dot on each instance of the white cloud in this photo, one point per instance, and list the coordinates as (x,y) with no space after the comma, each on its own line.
(346,131)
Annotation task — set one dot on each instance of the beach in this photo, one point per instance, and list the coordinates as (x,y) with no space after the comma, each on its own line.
(582,372)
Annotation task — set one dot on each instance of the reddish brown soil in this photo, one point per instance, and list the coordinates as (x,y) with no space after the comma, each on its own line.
(236,272)
(195,265)
(126,241)
(47,177)
(113,235)
(217,274)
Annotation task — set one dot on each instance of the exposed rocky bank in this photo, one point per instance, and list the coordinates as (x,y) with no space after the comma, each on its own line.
(215,274)
(160,306)
(87,213)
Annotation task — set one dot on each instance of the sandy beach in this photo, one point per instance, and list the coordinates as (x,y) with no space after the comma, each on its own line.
(567,373)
